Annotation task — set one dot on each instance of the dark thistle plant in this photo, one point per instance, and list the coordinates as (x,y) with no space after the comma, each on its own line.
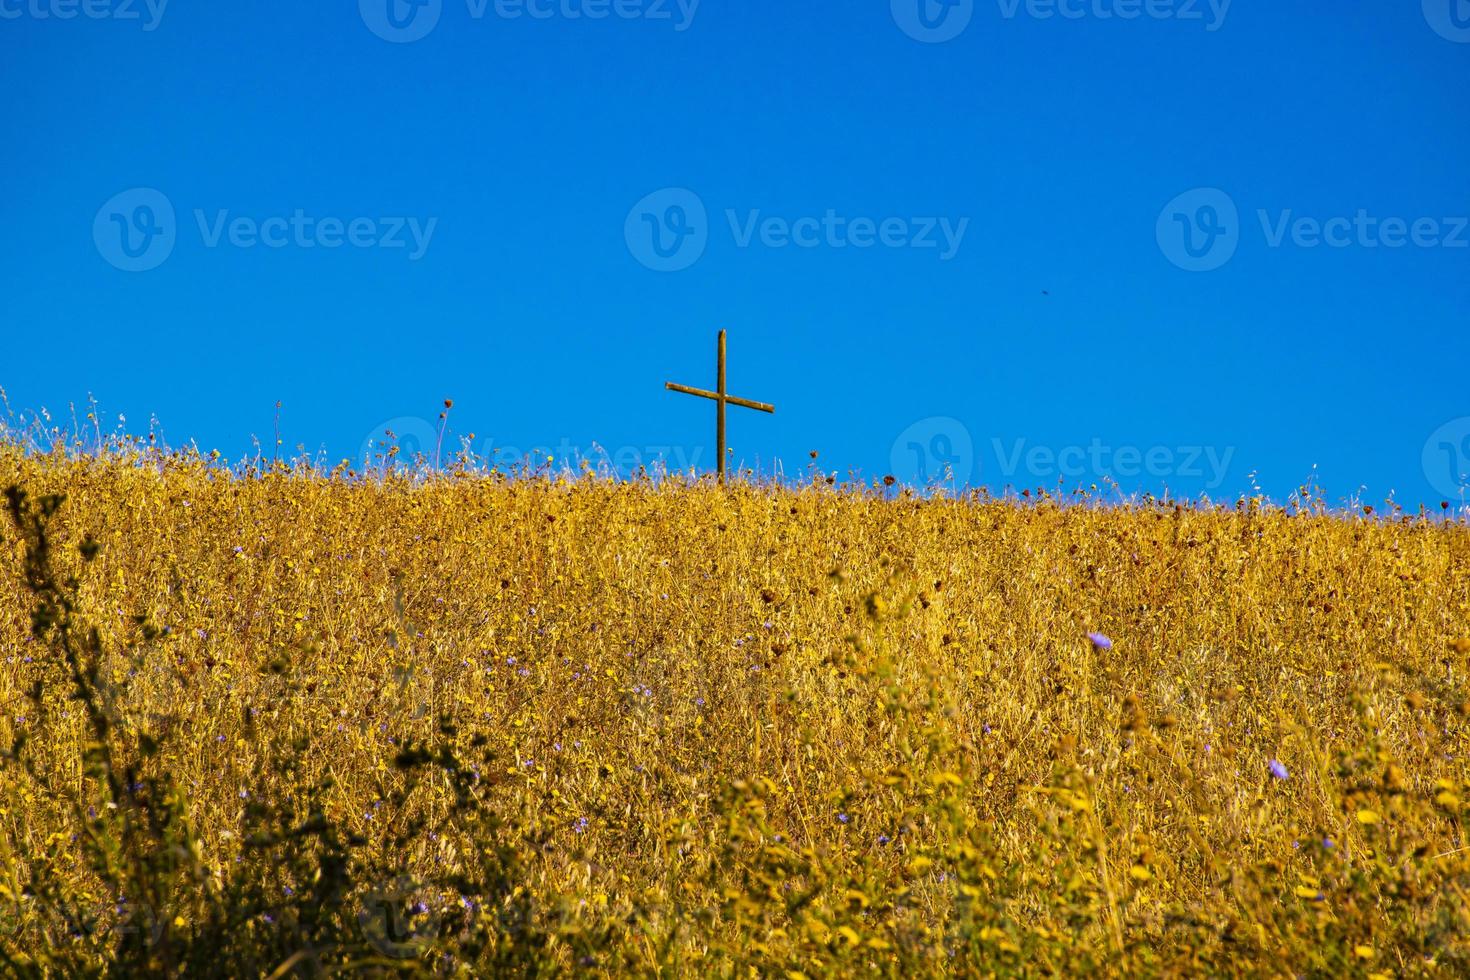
(303,897)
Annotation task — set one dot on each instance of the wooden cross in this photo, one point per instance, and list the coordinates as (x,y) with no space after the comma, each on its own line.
(722,398)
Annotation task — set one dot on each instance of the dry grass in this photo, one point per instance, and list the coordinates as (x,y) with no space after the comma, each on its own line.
(805,732)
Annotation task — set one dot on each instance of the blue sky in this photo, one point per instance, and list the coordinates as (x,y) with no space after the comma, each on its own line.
(1182,244)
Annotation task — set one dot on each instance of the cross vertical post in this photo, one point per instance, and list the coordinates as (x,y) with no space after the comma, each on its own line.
(720,418)
(721,397)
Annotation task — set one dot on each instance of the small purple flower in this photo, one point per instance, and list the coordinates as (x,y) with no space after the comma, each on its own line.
(883,838)
(1278,770)
(1100,641)
(843,818)
(985,728)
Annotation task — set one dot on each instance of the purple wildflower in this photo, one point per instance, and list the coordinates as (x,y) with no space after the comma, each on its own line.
(1100,641)
(1278,770)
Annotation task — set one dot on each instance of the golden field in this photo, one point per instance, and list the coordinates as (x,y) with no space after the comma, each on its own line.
(299,724)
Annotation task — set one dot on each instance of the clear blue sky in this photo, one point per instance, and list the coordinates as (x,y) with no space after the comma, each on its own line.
(1056,327)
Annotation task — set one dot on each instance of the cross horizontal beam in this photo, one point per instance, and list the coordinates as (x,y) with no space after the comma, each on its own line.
(742,402)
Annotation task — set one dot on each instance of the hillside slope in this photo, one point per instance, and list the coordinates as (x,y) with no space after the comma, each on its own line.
(617,728)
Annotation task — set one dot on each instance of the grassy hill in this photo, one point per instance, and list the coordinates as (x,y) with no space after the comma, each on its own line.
(301,723)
